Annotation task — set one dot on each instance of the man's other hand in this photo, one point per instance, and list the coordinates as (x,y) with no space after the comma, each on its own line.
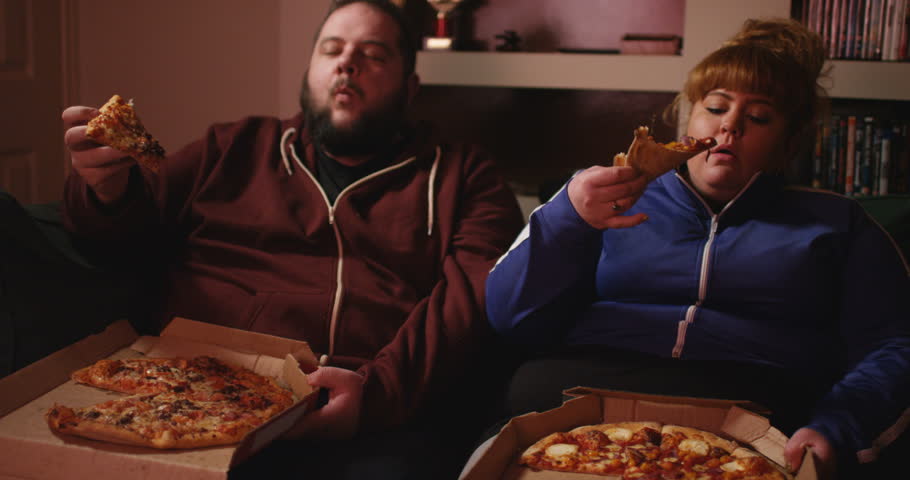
(339,418)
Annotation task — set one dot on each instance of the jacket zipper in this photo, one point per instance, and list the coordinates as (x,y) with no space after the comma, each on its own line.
(339,287)
(702,289)
(705,262)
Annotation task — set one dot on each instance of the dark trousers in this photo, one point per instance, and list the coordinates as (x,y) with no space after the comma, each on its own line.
(538,384)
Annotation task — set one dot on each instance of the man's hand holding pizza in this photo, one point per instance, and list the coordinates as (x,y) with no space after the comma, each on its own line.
(104,169)
(106,142)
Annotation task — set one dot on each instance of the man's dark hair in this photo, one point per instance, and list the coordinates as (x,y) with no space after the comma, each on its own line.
(406,40)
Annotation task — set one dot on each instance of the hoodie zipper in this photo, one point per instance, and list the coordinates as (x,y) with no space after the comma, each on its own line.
(339,286)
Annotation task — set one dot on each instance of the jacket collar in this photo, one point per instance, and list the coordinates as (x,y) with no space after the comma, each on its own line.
(759,193)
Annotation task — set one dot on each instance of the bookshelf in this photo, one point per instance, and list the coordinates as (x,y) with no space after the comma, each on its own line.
(707,24)
(624,80)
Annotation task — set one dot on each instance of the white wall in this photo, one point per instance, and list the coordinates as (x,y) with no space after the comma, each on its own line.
(297,23)
(189,63)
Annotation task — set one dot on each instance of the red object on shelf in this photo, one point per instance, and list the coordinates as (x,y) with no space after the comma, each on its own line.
(441,30)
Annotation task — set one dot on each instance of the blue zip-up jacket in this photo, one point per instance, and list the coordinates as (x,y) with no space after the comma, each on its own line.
(794,278)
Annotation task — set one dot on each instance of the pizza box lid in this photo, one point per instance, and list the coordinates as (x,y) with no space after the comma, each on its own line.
(28,449)
(497,457)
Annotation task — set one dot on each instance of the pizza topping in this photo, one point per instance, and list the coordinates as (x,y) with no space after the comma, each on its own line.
(690,144)
(619,435)
(561,450)
(696,446)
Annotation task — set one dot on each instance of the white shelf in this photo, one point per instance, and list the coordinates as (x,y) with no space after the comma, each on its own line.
(708,23)
(870,80)
(551,70)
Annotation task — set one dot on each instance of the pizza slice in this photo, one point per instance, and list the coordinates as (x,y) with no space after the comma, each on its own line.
(118,126)
(654,159)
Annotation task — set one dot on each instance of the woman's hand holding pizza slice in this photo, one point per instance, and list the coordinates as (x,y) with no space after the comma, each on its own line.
(600,195)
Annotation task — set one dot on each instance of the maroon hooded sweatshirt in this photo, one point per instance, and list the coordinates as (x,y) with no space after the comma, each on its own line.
(388,280)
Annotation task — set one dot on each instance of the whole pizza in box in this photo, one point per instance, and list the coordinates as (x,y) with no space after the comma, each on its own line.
(172,403)
(649,451)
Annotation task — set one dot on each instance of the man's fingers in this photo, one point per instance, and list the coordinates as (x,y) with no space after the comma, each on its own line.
(78,115)
(101,157)
(793,454)
(314,423)
(76,140)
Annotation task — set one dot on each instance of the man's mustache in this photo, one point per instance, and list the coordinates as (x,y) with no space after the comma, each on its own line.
(345,82)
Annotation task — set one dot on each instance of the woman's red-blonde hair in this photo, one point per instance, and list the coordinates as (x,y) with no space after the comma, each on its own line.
(780,58)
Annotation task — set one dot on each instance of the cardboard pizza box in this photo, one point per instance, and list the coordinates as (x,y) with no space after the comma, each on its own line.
(497,458)
(28,448)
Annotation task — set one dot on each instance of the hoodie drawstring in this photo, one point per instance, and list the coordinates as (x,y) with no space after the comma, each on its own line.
(430,193)
(284,154)
(430,183)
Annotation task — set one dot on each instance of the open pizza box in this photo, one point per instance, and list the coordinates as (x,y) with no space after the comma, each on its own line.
(497,459)
(28,448)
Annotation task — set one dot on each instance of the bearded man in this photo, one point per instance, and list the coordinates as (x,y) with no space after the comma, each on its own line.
(345,226)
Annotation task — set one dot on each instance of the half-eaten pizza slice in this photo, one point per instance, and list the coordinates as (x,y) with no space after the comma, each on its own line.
(654,159)
(119,127)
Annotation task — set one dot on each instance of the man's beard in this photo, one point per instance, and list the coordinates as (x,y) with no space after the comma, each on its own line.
(367,135)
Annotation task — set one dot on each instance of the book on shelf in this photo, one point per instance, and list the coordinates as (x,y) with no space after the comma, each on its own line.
(865,171)
(858,159)
(885,166)
(850,154)
(861,156)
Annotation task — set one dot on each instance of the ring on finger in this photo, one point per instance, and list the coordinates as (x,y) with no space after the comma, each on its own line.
(616,206)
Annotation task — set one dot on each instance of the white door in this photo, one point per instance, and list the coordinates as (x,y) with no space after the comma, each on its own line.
(32,160)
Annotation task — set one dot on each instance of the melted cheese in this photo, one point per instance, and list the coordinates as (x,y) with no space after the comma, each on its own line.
(561,450)
(696,446)
(619,434)
(733,466)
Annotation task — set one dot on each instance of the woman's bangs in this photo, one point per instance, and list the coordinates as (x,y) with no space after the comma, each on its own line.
(741,69)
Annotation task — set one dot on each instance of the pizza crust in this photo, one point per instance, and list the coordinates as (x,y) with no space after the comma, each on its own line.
(165,439)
